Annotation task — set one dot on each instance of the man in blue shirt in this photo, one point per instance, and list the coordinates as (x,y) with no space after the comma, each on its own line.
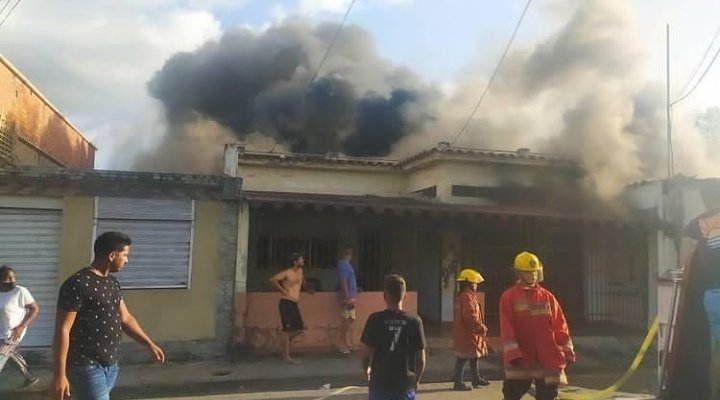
(347,294)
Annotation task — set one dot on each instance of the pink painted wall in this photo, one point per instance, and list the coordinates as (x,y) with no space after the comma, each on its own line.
(257,322)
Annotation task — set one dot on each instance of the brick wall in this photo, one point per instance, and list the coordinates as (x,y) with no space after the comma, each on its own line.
(32,120)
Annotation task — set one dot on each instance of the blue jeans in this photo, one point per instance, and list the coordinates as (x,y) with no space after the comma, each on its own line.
(92,382)
(379,394)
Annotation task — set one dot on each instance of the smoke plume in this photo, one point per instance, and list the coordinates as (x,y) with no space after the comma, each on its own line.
(247,83)
(581,93)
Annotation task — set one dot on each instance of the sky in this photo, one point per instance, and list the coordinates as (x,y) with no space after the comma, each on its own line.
(94,59)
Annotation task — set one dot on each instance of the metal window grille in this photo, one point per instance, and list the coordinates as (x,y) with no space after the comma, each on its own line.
(319,252)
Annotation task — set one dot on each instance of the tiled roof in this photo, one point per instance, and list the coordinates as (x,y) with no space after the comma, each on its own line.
(477,154)
(327,159)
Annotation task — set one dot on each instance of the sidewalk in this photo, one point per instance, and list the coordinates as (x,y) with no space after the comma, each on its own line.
(211,377)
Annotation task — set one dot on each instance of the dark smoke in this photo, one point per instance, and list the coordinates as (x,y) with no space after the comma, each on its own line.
(380,123)
(360,105)
(581,93)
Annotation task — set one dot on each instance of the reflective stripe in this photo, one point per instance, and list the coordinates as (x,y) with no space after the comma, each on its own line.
(510,346)
(534,308)
(551,377)
(543,311)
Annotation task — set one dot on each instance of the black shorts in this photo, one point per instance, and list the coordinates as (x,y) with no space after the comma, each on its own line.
(290,316)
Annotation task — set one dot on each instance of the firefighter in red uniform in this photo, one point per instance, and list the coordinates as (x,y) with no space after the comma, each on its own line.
(536,339)
(469,330)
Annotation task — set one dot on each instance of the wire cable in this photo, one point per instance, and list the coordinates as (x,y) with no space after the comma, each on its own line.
(693,75)
(332,42)
(494,74)
(327,52)
(7,3)
(717,53)
(9,12)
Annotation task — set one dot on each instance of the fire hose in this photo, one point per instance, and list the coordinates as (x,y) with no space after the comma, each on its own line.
(610,390)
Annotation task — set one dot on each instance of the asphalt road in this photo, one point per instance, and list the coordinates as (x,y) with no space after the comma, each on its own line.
(429,391)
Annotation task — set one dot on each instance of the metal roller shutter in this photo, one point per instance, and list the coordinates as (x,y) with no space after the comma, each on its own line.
(161,231)
(29,242)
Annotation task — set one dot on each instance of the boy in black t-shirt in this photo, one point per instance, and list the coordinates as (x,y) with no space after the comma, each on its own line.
(393,347)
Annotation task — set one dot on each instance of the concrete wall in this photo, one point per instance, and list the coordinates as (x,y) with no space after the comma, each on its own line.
(42,136)
(189,323)
(386,181)
(448,173)
(324,181)
(428,176)
(186,314)
(320,312)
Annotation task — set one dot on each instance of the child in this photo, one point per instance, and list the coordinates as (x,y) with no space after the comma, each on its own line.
(536,339)
(17,310)
(469,330)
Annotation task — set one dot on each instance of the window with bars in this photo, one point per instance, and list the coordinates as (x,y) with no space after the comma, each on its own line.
(274,251)
(161,231)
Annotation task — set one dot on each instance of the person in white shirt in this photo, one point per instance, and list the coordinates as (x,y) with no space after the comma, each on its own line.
(17,309)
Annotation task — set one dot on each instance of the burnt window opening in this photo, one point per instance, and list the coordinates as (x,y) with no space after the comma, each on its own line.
(510,195)
(473,191)
(428,192)
(274,251)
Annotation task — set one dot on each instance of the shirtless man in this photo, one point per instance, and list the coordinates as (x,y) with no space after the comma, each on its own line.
(289,282)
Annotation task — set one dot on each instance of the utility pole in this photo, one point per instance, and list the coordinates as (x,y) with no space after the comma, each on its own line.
(670,163)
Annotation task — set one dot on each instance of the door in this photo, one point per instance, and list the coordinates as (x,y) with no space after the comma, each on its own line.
(29,243)
(428,275)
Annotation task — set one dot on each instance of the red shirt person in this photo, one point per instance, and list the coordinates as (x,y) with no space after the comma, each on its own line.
(531,351)
(469,330)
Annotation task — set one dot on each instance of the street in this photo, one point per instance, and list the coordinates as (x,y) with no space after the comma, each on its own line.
(430,391)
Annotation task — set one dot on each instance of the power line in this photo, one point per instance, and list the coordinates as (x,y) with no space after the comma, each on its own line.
(693,75)
(327,52)
(7,3)
(494,74)
(9,12)
(717,53)
(332,42)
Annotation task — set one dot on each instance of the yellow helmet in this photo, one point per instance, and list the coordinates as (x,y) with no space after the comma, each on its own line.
(470,275)
(529,262)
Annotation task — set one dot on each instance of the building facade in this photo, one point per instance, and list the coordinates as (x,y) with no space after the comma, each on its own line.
(178,282)
(426,217)
(33,132)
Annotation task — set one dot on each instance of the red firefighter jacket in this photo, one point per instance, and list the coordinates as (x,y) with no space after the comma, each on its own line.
(469,330)
(535,335)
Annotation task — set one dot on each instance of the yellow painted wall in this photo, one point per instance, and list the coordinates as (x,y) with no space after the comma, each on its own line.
(445,174)
(379,182)
(182,314)
(322,181)
(422,178)
(77,235)
(165,314)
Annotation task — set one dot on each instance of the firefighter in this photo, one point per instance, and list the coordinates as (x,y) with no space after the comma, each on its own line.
(536,339)
(469,330)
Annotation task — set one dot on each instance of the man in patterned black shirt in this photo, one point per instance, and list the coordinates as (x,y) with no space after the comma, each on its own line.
(91,315)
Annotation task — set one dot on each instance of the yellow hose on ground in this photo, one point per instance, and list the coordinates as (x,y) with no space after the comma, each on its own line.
(610,390)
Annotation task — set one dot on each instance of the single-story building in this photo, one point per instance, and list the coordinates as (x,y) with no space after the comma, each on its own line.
(179,280)
(426,217)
